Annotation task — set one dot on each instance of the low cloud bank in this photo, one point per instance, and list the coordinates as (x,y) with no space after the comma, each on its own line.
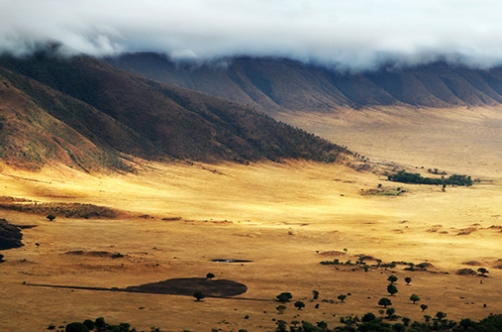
(345,34)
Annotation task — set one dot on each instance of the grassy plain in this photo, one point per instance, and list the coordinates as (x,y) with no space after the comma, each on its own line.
(284,217)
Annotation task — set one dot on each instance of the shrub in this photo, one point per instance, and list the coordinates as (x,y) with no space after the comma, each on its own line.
(76,327)
(199,295)
(284,297)
(392,278)
(392,289)
(299,305)
(280,308)
(414,298)
(89,324)
(385,302)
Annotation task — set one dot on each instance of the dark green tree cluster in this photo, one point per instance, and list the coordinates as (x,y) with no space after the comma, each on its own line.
(98,325)
(370,322)
(416,178)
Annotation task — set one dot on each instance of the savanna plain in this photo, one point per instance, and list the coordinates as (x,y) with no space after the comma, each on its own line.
(280,219)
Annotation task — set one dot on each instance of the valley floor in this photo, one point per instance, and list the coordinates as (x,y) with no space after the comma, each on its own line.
(284,218)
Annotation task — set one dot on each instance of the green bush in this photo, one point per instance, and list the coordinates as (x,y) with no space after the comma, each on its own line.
(76,327)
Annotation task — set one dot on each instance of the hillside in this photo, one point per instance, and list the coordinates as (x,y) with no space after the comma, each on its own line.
(89,114)
(281,84)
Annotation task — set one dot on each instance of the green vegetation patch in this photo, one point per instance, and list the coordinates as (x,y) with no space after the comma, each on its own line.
(416,178)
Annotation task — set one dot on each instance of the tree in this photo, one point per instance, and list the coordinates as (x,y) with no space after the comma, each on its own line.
(414,298)
(398,327)
(368,317)
(315,294)
(391,289)
(210,275)
(100,323)
(299,305)
(322,325)
(422,266)
(440,315)
(284,297)
(482,271)
(424,307)
(281,326)
(391,313)
(76,327)
(385,302)
(199,295)
(89,324)
(280,309)
(342,297)
(407,280)
(392,278)
(51,217)
(466,323)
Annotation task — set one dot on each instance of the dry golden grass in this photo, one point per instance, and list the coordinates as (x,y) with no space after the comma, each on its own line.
(285,218)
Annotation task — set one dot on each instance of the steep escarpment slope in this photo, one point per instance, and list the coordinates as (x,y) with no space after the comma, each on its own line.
(91,114)
(282,84)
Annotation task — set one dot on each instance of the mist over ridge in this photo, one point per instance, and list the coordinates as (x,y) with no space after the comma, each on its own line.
(343,35)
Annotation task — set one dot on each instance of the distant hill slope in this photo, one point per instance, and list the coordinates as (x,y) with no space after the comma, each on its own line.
(88,113)
(281,84)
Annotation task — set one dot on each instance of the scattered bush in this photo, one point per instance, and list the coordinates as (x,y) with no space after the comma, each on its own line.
(76,327)
(284,297)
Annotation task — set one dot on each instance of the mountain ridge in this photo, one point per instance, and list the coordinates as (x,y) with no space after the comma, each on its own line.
(273,84)
(91,114)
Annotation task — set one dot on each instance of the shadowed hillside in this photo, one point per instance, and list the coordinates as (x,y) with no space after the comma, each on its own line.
(88,113)
(279,84)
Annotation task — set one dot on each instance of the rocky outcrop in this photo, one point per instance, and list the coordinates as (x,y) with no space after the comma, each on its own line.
(10,236)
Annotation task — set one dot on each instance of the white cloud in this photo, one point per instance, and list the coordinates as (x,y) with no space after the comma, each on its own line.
(352,34)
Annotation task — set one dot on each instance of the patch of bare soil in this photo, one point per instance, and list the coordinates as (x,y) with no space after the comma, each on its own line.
(187,286)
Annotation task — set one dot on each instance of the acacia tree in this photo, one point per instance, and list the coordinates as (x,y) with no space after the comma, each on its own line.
(391,289)
(280,309)
(408,280)
(342,297)
(424,307)
(482,271)
(199,295)
(391,313)
(284,297)
(76,327)
(210,275)
(392,278)
(299,305)
(414,298)
(440,315)
(385,302)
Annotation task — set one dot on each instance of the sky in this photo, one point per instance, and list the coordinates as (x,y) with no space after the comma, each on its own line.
(345,34)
